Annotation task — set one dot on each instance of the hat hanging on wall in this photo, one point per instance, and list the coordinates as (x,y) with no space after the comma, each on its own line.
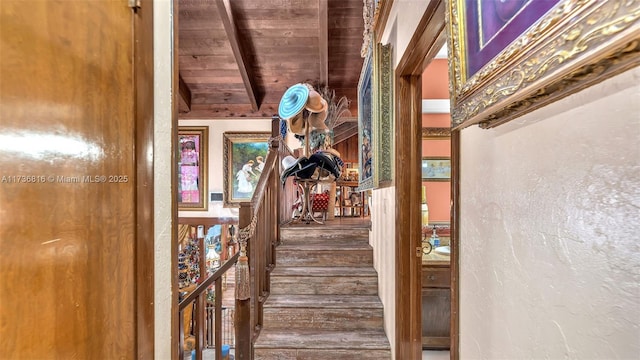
(293,101)
(316,120)
(298,123)
(316,103)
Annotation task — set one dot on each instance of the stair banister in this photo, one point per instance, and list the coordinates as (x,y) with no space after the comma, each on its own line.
(259,221)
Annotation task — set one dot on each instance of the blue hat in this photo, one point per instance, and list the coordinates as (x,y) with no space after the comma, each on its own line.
(293,101)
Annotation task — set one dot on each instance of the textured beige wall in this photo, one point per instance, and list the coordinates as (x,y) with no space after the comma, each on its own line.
(162,160)
(549,251)
(382,239)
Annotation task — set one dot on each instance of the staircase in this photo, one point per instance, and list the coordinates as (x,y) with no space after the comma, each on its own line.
(323,303)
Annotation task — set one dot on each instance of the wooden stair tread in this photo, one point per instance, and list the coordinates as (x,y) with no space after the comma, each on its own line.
(328,225)
(322,339)
(325,246)
(329,242)
(324,301)
(323,271)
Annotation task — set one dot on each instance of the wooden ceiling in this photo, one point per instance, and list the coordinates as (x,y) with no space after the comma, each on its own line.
(237,57)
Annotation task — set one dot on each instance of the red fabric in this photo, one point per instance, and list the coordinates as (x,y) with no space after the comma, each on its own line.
(320,202)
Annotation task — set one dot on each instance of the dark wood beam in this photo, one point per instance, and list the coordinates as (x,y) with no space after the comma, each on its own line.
(225,111)
(185,95)
(226,15)
(323,41)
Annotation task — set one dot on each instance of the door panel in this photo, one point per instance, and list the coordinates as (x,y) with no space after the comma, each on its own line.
(67,180)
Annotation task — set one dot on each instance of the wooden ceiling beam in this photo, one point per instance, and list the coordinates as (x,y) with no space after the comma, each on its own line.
(323,41)
(224,9)
(226,111)
(185,94)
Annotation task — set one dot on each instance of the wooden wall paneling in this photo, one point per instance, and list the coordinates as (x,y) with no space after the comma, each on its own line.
(348,149)
(68,206)
(144,248)
(226,14)
(323,41)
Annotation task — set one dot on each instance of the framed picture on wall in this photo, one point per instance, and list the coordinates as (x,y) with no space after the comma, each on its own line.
(193,183)
(366,150)
(244,156)
(383,115)
(436,169)
(508,58)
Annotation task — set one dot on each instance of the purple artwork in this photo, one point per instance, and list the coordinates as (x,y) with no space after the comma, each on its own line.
(494,24)
(188,185)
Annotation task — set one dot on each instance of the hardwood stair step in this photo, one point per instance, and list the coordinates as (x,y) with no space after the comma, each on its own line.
(316,344)
(324,301)
(289,235)
(324,280)
(337,246)
(338,312)
(320,255)
(334,244)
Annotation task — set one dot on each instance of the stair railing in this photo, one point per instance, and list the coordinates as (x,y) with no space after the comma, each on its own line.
(259,221)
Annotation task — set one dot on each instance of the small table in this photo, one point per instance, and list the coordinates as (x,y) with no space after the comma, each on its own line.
(306,187)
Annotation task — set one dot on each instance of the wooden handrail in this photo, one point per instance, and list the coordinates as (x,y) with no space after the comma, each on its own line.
(198,295)
(202,287)
(259,221)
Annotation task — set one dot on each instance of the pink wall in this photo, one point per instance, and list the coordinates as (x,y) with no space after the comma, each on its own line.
(435,85)
(435,80)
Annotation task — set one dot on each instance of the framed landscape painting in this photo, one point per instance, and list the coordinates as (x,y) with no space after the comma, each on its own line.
(244,156)
(436,169)
(508,58)
(192,168)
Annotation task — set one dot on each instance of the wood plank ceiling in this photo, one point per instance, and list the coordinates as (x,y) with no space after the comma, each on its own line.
(237,57)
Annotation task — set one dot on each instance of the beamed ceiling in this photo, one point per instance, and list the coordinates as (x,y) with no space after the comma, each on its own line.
(237,57)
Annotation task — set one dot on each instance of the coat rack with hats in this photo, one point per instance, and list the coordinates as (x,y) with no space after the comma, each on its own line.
(305,109)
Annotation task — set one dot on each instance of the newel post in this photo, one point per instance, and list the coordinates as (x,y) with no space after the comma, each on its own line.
(243,299)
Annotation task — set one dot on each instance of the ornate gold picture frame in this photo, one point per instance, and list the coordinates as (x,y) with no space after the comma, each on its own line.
(559,47)
(244,156)
(193,184)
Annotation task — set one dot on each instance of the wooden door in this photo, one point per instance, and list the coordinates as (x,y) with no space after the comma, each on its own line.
(68,177)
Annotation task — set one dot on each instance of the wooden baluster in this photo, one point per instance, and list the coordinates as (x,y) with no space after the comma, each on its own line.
(218,317)
(243,307)
(201,302)
(181,335)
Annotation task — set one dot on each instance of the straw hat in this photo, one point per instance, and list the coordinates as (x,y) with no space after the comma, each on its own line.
(298,124)
(293,101)
(315,102)
(316,120)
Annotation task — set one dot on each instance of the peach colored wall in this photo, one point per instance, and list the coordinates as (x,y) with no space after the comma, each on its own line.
(435,80)
(436,120)
(438,192)
(435,86)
